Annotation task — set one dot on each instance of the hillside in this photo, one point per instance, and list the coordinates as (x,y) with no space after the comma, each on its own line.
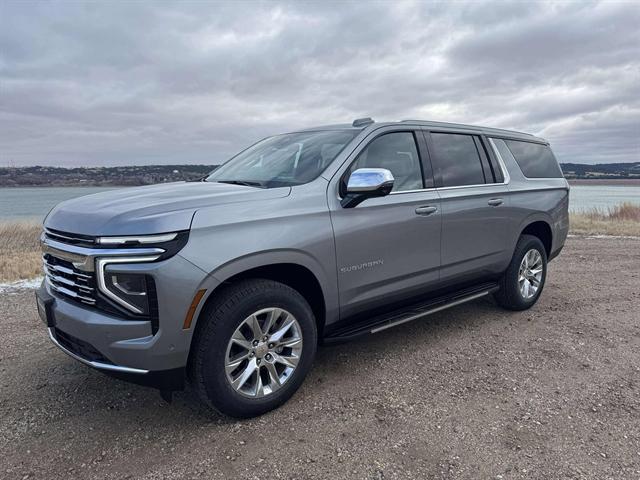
(100,176)
(150,174)
(601,170)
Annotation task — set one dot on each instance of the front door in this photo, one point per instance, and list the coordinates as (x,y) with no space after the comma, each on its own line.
(388,248)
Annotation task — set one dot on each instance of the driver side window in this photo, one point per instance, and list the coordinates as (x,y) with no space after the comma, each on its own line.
(397,152)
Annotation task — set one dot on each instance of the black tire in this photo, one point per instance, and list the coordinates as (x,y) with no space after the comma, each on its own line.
(509,295)
(217,324)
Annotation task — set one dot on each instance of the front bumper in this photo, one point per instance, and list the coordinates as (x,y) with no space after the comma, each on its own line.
(161,379)
(125,348)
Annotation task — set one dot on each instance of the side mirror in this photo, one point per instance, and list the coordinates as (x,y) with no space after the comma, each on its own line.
(367,183)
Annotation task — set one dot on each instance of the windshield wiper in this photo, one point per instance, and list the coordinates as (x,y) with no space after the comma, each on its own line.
(199,179)
(246,183)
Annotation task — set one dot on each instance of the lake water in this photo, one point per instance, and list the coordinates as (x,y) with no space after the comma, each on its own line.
(34,203)
(602,197)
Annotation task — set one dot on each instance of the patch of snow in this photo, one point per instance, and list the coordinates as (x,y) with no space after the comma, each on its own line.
(611,237)
(20,285)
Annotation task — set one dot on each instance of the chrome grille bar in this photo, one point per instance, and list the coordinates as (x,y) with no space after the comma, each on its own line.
(71,293)
(68,281)
(66,270)
(83,258)
(71,283)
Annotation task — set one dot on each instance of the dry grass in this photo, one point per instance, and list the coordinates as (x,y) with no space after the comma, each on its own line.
(20,249)
(623,219)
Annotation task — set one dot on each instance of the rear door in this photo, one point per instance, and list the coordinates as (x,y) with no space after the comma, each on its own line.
(473,198)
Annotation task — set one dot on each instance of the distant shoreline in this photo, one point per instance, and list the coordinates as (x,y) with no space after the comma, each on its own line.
(605,181)
(102,177)
(634,182)
(138,175)
(84,185)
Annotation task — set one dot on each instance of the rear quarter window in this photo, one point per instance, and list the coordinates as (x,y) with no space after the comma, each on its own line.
(535,160)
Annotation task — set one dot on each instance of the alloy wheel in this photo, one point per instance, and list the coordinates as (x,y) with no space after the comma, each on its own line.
(263,352)
(530,274)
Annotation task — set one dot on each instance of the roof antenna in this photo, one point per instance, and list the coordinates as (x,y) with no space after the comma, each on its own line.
(361,122)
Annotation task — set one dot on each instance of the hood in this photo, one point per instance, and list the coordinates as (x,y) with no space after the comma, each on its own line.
(159,208)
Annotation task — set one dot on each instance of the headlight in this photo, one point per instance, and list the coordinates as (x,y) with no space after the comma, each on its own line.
(136,239)
(170,243)
(129,289)
(134,291)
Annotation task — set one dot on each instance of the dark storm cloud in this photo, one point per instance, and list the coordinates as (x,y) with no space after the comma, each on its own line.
(150,82)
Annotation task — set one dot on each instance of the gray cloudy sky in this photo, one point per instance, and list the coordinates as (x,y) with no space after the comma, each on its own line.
(116,83)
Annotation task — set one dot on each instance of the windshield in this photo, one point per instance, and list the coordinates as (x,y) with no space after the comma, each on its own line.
(284,160)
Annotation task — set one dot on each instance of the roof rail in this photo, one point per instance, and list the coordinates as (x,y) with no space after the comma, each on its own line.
(462,125)
(361,122)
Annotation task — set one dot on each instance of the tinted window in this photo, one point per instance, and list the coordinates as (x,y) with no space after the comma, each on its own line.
(396,152)
(535,160)
(457,159)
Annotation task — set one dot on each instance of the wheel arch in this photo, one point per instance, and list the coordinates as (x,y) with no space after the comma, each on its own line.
(540,228)
(294,269)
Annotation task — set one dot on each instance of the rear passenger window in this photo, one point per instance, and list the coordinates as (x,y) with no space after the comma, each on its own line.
(457,159)
(535,160)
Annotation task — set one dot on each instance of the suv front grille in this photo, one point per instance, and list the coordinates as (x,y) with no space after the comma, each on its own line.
(81,286)
(66,280)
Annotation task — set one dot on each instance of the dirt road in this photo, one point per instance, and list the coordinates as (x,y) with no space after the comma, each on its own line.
(474,392)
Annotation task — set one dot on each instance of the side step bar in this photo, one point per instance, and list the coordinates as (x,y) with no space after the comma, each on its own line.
(409,313)
(430,311)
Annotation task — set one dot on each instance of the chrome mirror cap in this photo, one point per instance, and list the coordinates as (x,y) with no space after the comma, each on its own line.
(365,180)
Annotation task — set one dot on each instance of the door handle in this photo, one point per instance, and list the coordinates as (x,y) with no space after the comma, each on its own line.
(495,202)
(428,210)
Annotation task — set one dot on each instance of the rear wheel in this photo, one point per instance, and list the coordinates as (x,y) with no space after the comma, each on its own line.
(523,281)
(254,349)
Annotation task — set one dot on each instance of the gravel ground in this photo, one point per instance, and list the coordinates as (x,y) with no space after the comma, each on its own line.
(474,392)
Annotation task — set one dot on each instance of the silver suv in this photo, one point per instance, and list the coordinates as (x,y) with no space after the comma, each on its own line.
(319,235)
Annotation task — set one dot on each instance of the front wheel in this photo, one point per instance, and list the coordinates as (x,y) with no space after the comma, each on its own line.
(522,282)
(254,348)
